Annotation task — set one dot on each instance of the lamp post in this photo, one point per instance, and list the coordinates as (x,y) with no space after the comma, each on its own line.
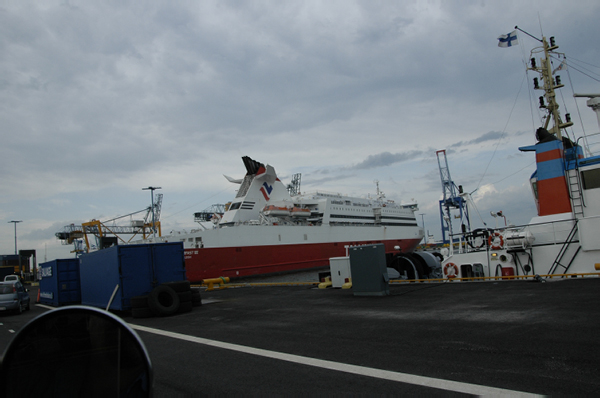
(423,222)
(152,189)
(15,222)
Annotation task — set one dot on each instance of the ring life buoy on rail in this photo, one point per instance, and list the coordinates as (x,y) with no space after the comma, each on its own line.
(451,270)
(492,239)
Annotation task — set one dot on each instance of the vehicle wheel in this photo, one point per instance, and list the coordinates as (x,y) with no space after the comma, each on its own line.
(163,301)
(28,307)
(19,309)
(142,313)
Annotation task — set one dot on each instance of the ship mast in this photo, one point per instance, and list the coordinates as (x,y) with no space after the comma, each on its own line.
(550,83)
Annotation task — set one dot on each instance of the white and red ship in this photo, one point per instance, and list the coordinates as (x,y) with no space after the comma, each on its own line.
(267,230)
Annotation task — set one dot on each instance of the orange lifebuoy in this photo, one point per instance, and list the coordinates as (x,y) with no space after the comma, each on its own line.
(492,239)
(454,269)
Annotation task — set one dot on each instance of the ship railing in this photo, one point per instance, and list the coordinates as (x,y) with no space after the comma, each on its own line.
(554,232)
(353,224)
(544,233)
(317,194)
(591,144)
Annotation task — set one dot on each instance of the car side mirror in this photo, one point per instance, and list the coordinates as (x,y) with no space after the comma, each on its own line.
(76,351)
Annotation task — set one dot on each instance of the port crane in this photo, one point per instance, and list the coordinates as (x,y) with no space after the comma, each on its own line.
(452,201)
(107,233)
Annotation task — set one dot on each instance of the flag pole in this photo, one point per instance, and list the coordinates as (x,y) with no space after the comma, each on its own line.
(517,28)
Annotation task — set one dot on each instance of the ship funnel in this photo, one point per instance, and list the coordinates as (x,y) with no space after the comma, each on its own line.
(252,166)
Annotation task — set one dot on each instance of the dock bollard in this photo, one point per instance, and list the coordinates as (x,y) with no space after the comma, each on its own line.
(210,283)
(326,282)
(347,283)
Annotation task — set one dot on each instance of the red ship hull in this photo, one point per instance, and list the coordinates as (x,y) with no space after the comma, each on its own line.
(233,262)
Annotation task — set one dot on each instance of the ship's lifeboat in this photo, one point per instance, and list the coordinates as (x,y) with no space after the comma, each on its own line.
(276,211)
(299,212)
(518,239)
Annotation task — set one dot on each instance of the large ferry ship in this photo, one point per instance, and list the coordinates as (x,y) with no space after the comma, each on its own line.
(266,229)
(562,239)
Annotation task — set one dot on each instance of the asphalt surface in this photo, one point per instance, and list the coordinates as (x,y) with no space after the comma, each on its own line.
(475,338)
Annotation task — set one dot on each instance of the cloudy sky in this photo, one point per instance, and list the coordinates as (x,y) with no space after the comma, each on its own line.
(101,99)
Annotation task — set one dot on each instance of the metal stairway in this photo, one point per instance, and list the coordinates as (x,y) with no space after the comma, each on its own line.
(563,250)
(575,192)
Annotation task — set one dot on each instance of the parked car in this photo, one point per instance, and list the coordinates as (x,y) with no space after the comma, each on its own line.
(10,278)
(13,297)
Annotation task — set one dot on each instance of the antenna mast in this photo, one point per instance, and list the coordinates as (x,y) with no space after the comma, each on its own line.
(549,84)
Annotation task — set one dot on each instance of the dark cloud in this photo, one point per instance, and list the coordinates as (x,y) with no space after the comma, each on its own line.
(320,182)
(489,136)
(386,159)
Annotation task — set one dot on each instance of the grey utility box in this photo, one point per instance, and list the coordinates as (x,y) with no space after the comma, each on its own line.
(340,271)
(369,270)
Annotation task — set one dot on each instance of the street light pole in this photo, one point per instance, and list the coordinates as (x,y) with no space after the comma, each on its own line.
(423,222)
(15,222)
(152,189)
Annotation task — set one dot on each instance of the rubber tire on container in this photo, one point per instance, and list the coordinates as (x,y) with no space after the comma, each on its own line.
(179,286)
(139,301)
(163,301)
(185,296)
(142,312)
(196,298)
(184,307)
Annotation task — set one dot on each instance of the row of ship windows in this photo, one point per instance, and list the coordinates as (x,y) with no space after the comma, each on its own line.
(370,210)
(384,224)
(386,217)
(198,239)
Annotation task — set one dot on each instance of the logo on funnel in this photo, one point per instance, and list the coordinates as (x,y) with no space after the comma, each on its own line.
(266,190)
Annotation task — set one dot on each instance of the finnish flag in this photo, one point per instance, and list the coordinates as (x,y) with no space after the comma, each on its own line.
(508,40)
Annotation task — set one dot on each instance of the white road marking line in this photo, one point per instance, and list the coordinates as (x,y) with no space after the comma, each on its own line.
(46,306)
(441,384)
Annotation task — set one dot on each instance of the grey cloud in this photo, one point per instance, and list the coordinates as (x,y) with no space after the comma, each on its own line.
(489,136)
(321,181)
(386,159)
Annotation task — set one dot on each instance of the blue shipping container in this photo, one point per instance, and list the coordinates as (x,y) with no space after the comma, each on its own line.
(135,269)
(60,282)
